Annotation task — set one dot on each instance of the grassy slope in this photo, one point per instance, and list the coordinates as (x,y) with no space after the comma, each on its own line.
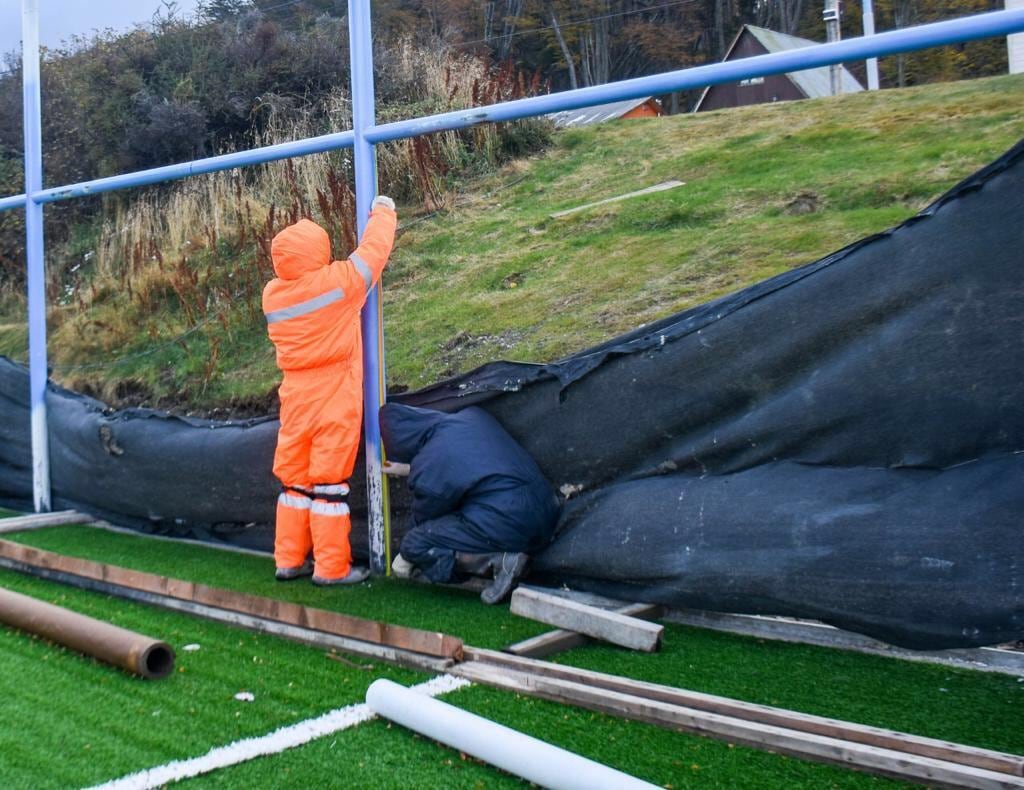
(522,285)
(970,707)
(768,188)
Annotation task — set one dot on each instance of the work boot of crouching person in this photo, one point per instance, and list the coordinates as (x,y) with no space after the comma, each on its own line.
(506,574)
(505,569)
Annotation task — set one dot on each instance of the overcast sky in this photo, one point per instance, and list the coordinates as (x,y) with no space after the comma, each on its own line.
(59,20)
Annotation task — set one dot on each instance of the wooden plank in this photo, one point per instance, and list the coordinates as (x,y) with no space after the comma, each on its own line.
(656,188)
(886,762)
(428,642)
(992,659)
(581,618)
(41,520)
(591,599)
(812,632)
(780,717)
(392,655)
(559,641)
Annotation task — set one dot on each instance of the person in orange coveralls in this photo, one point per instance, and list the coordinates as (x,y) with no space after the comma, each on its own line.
(312,309)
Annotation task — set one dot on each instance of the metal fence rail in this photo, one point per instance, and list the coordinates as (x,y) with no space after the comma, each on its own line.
(362,138)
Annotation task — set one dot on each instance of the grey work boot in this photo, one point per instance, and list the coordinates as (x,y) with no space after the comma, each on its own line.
(506,573)
(505,568)
(355,576)
(288,574)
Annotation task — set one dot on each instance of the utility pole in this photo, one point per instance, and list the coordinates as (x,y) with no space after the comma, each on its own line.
(365,161)
(34,253)
(831,17)
(869,30)
(1015,43)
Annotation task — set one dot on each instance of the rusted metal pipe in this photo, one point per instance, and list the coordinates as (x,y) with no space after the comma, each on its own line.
(137,653)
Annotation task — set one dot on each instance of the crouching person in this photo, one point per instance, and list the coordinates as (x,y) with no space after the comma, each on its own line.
(480,504)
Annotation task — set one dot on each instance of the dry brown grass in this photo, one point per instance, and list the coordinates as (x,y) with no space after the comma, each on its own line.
(181,239)
(161,297)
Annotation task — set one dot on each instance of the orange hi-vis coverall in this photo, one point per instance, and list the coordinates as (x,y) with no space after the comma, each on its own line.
(312,309)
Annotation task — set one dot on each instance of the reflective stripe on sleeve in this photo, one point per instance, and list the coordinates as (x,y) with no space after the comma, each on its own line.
(290,500)
(363,269)
(329,508)
(337,488)
(304,308)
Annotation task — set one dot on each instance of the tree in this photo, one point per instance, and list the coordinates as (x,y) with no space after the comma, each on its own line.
(220,10)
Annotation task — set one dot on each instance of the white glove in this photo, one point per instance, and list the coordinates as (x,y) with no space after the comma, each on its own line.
(382,200)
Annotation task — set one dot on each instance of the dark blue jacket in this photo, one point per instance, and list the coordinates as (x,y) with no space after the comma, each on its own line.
(466,463)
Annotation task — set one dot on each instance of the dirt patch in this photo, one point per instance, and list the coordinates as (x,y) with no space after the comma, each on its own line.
(514,280)
(132,393)
(455,350)
(240,408)
(804,203)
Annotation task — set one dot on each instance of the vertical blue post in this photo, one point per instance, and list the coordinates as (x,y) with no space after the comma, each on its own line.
(34,253)
(361,47)
(868,16)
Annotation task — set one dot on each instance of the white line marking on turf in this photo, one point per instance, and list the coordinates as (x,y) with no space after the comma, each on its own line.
(277,741)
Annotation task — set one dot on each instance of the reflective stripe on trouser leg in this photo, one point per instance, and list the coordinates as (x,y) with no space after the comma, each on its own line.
(292,538)
(330,524)
(333,492)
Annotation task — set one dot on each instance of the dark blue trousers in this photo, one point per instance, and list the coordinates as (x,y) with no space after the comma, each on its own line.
(431,546)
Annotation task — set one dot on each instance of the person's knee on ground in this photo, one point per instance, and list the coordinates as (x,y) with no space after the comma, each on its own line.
(435,563)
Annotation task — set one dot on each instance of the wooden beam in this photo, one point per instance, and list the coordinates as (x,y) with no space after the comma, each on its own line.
(428,642)
(40,520)
(887,762)
(789,629)
(391,655)
(559,641)
(813,632)
(749,711)
(581,618)
(656,188)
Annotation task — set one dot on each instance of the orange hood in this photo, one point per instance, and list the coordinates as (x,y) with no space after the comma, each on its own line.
(300,249)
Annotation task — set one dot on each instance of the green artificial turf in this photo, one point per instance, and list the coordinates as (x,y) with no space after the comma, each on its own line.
(965,706)
(100,711)
(397,601)
(384,755)
(69,720)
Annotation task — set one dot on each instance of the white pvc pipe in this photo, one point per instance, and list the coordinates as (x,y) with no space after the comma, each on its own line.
(510,750)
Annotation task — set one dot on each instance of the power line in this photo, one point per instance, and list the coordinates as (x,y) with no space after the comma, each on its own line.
(280,5)
(576,22)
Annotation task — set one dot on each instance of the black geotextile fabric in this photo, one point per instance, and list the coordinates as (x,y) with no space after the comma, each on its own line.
(843,441)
